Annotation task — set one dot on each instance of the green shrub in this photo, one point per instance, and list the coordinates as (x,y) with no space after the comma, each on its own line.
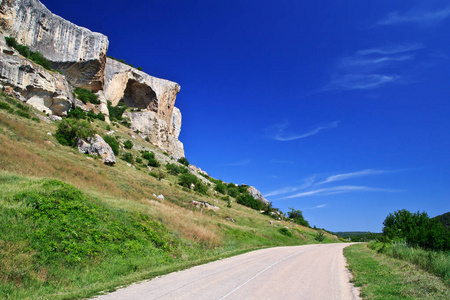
(38,58)
(183,161)
(297,217)
(128,157)
(250,201)
(5,106)
(128,144)
(23,114)
(285,231)
(220,187)
(11,42)
(201,188)
(76,113)
(175,169)
(147,139)
(108,127)
(22,107)
(86,96)
(71,129)
(101,116)
(188,179)
(116,112)
(113,143)
(320,236)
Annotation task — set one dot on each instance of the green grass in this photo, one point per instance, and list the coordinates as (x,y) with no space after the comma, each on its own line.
(383,277)
(436,262)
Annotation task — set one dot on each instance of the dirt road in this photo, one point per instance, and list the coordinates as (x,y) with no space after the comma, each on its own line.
(301,272)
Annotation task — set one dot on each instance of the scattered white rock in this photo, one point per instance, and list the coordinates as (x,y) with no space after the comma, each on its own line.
(49,133)
(161,197)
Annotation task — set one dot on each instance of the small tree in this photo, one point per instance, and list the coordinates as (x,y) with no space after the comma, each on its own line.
(320,236)
(128,144)
(297,217)
(183,161)
(69,130)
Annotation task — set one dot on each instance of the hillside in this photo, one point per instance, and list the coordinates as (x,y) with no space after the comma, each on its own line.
(76,226)
(444,219)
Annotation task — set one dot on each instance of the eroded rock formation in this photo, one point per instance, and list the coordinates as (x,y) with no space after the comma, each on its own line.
(159,119)
(45,90)
(77,51)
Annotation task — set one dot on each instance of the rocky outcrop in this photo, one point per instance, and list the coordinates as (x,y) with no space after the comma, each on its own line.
(45,90)
(157,130)
(97,146)
(257,195)
(159,119)
(77,51)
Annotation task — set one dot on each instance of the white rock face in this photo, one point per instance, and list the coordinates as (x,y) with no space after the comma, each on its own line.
(159,119)
(77,51)
(46,91)
(257,195)
(157,131)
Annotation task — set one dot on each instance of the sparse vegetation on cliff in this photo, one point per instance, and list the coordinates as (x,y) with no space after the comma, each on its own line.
(36,57)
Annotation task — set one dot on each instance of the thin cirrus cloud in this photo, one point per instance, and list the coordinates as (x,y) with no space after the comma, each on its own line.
(365,69)
(390,50)
(415,16)
(344,176)
(338,190)
(290,189)
(278,131)
(317,206)
(360,81)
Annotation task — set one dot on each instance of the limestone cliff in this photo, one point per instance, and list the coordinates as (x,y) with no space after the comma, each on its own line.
(81,56)
(45,90)
(158,119)
(78,52)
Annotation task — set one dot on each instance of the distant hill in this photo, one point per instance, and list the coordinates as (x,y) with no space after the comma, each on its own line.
(357,236)
(444,219)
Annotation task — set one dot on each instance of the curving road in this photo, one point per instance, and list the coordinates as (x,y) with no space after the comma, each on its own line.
(299,272)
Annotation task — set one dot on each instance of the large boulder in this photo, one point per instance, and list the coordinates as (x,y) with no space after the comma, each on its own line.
(77,51)
(98,147)
(45,90)
(257,195)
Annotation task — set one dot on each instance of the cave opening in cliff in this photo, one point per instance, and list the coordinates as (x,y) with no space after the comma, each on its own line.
(140,95)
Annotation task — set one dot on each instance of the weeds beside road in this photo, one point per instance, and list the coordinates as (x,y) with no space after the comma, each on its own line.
(383,277)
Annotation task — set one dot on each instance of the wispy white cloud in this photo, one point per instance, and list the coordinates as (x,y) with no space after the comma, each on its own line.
(360,81)
(244,162)
(338,190)
(290,189)
(390,50)
(415,16)
(316,207)
(277,132)
(373,61)
(344,176)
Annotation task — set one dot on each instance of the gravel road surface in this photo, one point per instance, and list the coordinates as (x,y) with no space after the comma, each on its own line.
(299,272)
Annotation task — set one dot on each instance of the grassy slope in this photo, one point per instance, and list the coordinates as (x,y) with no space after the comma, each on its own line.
(28,269)
(383,277)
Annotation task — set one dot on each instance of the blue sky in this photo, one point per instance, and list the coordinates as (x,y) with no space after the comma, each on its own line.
(337,108)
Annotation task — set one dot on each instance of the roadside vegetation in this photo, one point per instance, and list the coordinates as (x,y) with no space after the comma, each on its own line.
(410,260)
(381,276)
(73,226)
